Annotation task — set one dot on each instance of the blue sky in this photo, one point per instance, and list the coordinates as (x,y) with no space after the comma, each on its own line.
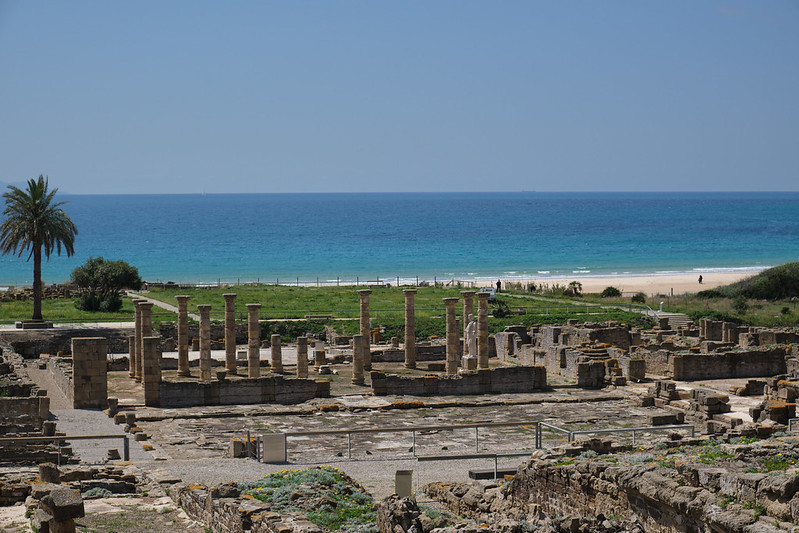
(338,96)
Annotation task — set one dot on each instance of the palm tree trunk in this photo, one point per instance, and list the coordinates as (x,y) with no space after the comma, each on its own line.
(37,281)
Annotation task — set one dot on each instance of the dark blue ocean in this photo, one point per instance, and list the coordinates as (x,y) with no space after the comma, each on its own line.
(269,237)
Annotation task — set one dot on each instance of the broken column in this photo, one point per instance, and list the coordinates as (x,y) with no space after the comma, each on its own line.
(146,309)
(453,337)
(358,342)
(183,335)
(482,330)
(410,328)
(366,328)
(205,342)
(468,310)
(277,354)
(89,373)
(230,333)
(151,378)
(302,357)
(253,341)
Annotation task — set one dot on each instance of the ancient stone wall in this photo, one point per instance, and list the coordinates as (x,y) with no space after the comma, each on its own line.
(495,381)
(743,364)
(266,389)
(424,352)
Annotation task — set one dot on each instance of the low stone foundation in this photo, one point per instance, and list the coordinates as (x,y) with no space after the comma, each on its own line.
(505,380)
(266,389)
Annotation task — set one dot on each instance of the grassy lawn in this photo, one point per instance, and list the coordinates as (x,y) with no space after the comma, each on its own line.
(63,310)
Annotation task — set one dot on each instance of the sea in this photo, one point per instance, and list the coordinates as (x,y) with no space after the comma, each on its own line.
(344,238)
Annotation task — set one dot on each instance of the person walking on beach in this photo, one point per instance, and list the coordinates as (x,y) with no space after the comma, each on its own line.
(499,285)
(700,279)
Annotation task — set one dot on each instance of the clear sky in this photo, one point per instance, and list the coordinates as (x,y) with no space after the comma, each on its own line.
(339,96)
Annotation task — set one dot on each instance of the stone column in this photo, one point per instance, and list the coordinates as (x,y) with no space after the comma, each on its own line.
(482,330)
(132,356)
(366,327)
(146,331)
(358,343)
(453,337)
(230,334)
(253,341)
(151,378)
(183,335)
(134,362)
(468,310)
(302,357)
(277,354)
(410,328)
(205,342)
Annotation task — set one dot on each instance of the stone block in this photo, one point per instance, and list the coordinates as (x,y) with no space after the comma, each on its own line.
(63,504)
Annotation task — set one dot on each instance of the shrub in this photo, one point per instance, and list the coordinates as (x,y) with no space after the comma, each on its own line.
(740,304)
(610,292)
(501,309)
(714,315)
(639,298)
(785,310)
(710,293)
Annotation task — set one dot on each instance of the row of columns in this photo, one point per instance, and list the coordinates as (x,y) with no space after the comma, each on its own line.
(453,335)
(143,330)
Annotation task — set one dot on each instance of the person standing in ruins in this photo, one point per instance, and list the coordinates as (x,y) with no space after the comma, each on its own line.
(499,285)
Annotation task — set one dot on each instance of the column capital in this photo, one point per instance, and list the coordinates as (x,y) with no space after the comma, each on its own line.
(468,294)
(364,292)
(146,304)
(483,296)
(450,301)
(409,292)
(229,296)
(204,307)
(182,298)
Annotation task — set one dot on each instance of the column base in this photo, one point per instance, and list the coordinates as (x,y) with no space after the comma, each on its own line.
(184,373)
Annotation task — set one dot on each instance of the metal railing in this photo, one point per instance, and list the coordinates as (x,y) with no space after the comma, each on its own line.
(412,429)
(572,434)
(791,422)
(58,439)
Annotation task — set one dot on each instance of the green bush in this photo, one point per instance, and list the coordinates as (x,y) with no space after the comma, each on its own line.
(639,298)
(777,283)
(501,309)
(740,304)
(100,283)
(714,315)
(610,292)
(710,293)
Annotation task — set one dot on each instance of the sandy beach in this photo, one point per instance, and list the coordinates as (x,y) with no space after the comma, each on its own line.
(653,284)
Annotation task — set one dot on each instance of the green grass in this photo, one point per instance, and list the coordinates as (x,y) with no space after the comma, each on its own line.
(63,310)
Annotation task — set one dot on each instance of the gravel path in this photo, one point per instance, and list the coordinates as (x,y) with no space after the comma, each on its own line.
(84,422)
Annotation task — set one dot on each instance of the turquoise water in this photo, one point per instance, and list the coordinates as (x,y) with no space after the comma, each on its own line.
(202,239)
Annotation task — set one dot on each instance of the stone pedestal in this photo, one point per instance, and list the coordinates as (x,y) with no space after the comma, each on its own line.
(453,337)
(89,373)
(146,309)
(230,333)
(183,335)
(366,328)
(468,310)
(410,328)
(302,357)
(277,354)
(205,342)
(482,330)
(253,341)
(151,378)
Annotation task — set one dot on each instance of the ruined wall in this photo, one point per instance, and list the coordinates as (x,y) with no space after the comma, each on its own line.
(424,352)
(266,389)
(494,381)
(745,364)
(32,343)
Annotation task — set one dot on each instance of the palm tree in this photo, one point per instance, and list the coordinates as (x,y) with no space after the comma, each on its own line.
(35,222)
